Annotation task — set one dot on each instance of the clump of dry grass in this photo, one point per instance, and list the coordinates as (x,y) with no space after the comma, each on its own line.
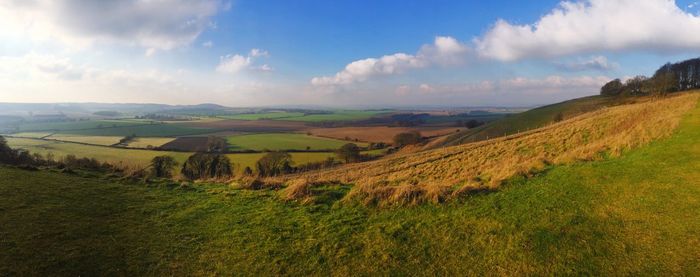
(442,174)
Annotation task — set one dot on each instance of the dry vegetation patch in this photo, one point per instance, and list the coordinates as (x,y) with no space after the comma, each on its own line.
(380,133)
(441,174)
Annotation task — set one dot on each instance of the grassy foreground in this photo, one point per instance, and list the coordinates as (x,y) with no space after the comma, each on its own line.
(633,215)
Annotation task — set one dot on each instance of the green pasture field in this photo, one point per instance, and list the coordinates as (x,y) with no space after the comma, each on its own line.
(145,142)
(337,116)
(138,157)
(259,116)
(633,215)
(152,130)
(283,141)
(99,140)
(75,125)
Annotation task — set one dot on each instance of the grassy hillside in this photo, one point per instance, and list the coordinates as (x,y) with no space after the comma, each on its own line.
(451,172)
(632,215)
(535,118)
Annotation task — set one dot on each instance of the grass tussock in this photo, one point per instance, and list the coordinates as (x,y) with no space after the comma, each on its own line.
(442,174)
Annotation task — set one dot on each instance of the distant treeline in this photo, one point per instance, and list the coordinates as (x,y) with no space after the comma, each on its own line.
(669,78)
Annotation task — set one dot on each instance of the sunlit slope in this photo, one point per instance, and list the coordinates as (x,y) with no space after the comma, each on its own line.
(535,118)
(444,173)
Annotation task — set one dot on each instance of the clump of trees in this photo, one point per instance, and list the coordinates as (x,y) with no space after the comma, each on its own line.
(274,163)
(472,123)
(207,166)
(349,153)
(407,138)
(667,79)
(162,166)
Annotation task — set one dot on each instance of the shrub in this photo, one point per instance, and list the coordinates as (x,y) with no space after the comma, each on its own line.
(349,153)
(162,166)
(408,138)
(274,163)
(206,166)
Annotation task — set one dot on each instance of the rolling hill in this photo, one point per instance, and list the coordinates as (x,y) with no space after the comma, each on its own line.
(631,215)
(450,172)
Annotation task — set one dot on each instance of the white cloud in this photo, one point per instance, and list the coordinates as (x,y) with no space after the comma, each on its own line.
(444,51)
(208,44)
(258,53)
(158,25)
(233,64)
(599,63)
(594,25)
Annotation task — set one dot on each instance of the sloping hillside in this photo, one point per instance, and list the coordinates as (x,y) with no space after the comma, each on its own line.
(535,118)
(633,215)
(440,174)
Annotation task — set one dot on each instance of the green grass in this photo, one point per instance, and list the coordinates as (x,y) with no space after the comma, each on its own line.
(283,141)
(633,215)
(258,116)
(336,116)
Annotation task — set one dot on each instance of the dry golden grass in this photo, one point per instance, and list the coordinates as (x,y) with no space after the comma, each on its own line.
(380,133)
(442,174)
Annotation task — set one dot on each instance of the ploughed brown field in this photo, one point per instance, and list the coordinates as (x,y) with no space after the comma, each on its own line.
(190,144)
(380,133)
(252,126)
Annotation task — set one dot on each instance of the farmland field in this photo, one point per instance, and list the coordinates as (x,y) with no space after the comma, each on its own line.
(75,125)
(283,141)
(251,126)
(259,116)
(192,144)
(152,130)
(99,140)
(337,116)
(379,134)
(146,142)
(139,157)
(32,134)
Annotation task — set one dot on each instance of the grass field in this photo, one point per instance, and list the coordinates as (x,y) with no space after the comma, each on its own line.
(336,116)
(146,142)
(140,157)
(99,140)
(380,134)
(32,134)
(75,125)
(153,130)
(632,215)
(259,116)
(283,141)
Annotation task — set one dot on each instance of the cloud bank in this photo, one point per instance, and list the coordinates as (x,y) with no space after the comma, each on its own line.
(155,25)
(592,26)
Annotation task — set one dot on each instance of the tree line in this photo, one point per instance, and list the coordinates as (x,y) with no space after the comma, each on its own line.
(669,78)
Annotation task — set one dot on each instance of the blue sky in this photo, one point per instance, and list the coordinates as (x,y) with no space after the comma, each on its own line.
(334,53)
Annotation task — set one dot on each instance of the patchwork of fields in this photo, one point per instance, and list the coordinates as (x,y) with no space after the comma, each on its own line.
(284,141)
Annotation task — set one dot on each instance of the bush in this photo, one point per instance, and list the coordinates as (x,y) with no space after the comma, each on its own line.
(612,88)
(349,153)
(162,166)
(408,138)
(207,166)
(274,163)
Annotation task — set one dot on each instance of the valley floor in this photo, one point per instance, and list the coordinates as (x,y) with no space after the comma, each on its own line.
(634,215)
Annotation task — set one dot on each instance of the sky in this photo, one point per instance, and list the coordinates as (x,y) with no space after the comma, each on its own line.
(341,53)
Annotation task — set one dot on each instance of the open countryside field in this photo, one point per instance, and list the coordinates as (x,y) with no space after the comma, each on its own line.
(250,126)
(99,140)
(380,134)
(151,130)
(283,141)
(259,116)
(148,142)
(348,115)
(76,125)
(614,217)
(138,157)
